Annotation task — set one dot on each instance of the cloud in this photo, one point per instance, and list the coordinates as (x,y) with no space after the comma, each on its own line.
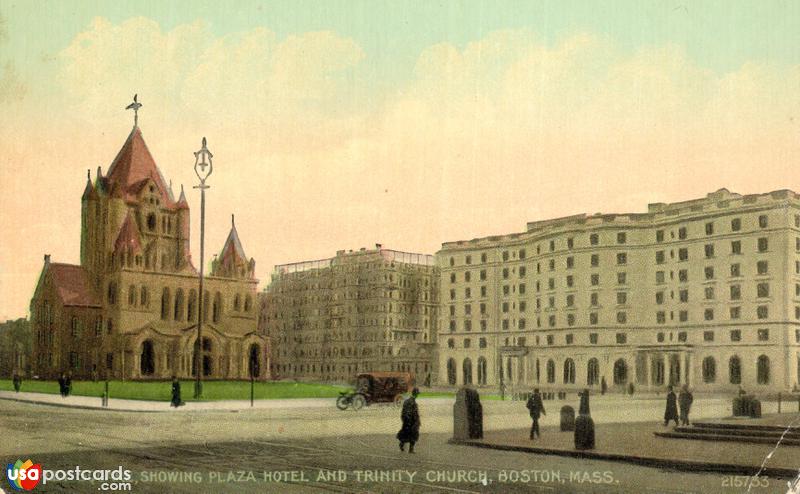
(479,139)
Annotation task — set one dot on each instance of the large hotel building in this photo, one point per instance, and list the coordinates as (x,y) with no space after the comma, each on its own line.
(703,292)
(360,311)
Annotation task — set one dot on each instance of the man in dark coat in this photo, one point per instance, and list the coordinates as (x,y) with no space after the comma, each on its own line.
(176,392)
(671,413)
(68,384)
(17,382)
(62,385)
(409,432)
(536,409)
(685,400)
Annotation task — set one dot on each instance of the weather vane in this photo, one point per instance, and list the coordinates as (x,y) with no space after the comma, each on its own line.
(135,106)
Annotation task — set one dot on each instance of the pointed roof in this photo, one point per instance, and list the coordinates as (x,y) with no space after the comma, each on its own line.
(133,166)
(88,191)
(73,285)
(182,203)
(233,247)
(128,236)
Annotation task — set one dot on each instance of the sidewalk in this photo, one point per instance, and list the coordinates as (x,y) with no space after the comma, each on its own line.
(120,405)
(635,443)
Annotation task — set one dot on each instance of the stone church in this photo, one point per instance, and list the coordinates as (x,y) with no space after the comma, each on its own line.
(130,309)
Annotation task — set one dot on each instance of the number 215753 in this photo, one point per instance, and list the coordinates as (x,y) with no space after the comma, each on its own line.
(744,481)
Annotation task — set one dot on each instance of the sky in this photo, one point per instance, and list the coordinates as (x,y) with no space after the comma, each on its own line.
(341,124)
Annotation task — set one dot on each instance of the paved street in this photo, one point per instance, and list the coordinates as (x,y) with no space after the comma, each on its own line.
(285,449)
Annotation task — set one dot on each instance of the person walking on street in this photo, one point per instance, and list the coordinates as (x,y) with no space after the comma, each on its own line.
(62,385)
(671,413)
(536,409)
(17,382)
(68,384)
(685,400)
(176,393)
(409,432)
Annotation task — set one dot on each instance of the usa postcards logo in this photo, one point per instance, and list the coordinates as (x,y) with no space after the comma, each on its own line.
(23,476)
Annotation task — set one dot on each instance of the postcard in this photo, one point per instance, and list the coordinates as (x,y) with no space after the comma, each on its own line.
(400,246)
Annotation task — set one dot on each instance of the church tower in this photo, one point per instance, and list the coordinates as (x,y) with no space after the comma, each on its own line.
(130,219)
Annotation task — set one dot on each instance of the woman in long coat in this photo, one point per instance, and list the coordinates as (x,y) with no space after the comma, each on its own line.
(176,392)
(409,432)
(671,413)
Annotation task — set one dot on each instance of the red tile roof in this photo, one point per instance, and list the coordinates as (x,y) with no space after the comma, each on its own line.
(128,237)
(73,286)
(133,166)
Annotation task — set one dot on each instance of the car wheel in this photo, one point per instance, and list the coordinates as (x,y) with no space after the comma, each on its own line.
(358,402)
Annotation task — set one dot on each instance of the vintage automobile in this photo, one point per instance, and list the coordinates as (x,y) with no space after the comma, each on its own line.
(376,387)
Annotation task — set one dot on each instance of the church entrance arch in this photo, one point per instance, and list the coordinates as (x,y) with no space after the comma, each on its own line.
(147,363)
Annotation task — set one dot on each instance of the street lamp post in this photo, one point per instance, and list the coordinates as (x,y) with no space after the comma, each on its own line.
(203,169)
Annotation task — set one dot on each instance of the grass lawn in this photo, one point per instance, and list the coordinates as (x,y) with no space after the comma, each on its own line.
(162,391)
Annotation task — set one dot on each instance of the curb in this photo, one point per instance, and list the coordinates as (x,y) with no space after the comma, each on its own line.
(682,465)
(80,407)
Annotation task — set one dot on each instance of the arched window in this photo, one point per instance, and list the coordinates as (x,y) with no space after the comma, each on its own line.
(178,313)
(709,370)
(551,371)
(467,369)
(451,371)
(762,369)
(592,372)
(248,303)
(131,295)
(735,370)
(144,297)
(112,293)
(165,303)
(192,305)
(481,371)
(151,222)
(217,309)
(620,372)
(569,371)
(147,364)
(237,303)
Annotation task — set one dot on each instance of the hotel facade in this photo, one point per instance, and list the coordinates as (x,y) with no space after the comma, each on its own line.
(703,292)
(361,311)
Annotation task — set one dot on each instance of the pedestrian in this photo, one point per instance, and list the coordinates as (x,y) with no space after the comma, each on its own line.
(17,381)
(536,409)
(68,384)
(176,393)
(62,385)
(685,400)
(671,413)
(409,432)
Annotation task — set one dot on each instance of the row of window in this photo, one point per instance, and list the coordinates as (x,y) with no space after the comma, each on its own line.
(621,239)
(762,269)
(762,291)
(762,313)
(656,374)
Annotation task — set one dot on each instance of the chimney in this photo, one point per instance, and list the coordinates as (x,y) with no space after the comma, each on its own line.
(46,259)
